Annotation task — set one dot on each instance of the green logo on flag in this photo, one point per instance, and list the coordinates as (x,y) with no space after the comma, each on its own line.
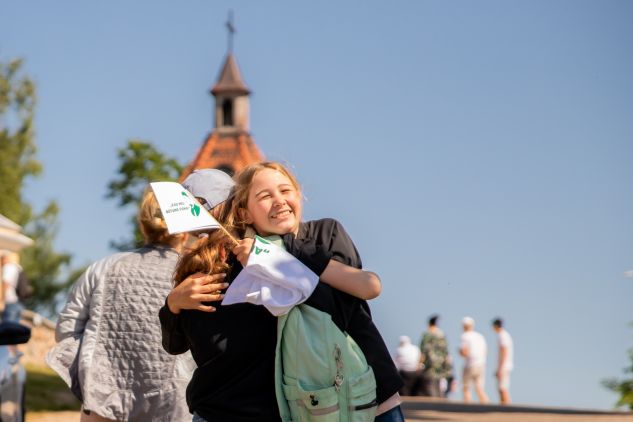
(194,208)
(259,250)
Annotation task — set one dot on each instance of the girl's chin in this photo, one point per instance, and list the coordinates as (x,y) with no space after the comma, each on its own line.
(280,228)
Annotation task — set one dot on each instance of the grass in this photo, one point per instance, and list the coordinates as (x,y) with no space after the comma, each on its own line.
(46,391)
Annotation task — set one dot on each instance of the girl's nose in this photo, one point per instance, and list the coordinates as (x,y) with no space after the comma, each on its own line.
(278,200)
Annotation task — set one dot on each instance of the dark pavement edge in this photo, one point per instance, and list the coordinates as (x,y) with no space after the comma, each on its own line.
(440,405)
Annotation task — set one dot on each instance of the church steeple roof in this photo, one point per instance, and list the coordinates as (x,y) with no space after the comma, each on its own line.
(230,80)
(229,146)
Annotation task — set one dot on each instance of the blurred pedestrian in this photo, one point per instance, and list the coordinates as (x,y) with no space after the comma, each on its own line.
(473,349)
(407,360)
(505,362)
(436,360)
(109,348)
(11,273)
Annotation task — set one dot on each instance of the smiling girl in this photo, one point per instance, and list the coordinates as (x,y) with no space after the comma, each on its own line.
(234,346)
(268,198)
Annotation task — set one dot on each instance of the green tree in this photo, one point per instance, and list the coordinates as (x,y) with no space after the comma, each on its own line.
(43,265)
(140,164)
(624,387)
(17,145)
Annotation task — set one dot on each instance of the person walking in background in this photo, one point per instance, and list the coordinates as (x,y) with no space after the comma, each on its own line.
(407,360)
(473,349)
(109,339)
(11,271)
(435,357)
(505,362)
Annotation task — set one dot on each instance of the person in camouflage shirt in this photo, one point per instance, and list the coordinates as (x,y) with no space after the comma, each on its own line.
(435,357)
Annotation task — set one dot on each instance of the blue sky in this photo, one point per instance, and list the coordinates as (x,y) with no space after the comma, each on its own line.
(479,153)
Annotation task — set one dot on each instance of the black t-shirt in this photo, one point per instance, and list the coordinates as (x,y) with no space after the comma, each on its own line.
(234,348)
(349,313)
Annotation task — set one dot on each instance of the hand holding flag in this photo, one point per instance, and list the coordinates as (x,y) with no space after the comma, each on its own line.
(272,278)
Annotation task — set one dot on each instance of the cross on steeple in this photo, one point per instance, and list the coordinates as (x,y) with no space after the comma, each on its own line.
(231,28)
(229,146)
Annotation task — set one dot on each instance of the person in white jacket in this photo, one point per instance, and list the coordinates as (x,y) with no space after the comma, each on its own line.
(109,339)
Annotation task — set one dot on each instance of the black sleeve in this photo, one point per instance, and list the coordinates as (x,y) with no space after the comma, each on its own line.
(312,255)
(174,340)
(363,330)
(341,245)
(358,321)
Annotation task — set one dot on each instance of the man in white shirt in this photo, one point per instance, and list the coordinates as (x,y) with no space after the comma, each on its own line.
(506,360)
(474,350)
(407,360)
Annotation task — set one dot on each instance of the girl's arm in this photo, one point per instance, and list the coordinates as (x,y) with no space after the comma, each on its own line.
(191,294)
(354,281)
(194,291)
(359,283)
(173,338)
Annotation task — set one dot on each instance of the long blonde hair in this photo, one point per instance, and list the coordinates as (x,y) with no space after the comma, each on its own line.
(152,224)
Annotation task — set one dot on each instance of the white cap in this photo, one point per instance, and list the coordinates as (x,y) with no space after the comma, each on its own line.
(212,185)
(405,340)
(468,321)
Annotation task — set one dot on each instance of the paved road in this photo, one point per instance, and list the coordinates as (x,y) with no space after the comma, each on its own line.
(426,410)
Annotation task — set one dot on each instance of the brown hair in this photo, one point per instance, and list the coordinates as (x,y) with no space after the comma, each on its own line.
(209,255)
(152,224)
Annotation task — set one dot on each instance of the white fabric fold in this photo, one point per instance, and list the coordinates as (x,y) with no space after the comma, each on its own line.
(273,278)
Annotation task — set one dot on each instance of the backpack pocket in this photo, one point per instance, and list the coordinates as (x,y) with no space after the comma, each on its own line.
(311,405)
(362,397)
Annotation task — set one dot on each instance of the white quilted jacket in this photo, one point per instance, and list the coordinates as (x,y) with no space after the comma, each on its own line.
(109,339)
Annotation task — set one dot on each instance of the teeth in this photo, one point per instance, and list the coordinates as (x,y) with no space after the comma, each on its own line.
(282,213)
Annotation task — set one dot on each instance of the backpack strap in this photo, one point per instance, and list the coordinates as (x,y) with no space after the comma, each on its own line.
(284,410)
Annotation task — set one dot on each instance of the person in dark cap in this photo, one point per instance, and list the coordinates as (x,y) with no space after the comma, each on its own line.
(211,187)
(435,357)
(505,362)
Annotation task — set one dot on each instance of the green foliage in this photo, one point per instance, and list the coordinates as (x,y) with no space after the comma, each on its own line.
(141,164)
(42,264)
(46,391)
(17,147)
(624,387)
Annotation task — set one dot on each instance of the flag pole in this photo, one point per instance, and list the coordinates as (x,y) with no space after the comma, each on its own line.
(226,232)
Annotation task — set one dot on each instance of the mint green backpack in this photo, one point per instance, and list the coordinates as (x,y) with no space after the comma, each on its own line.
(320,372)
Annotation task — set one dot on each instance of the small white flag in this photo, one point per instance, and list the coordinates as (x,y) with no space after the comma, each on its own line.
(181,210)
(272,278)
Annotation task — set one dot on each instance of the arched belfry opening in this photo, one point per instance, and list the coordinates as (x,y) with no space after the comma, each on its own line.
(227,112)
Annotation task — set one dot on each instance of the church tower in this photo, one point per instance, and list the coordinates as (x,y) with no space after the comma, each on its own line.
(229,146)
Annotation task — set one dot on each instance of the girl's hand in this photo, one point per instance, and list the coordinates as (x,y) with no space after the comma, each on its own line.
(196,289)
(243,250)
